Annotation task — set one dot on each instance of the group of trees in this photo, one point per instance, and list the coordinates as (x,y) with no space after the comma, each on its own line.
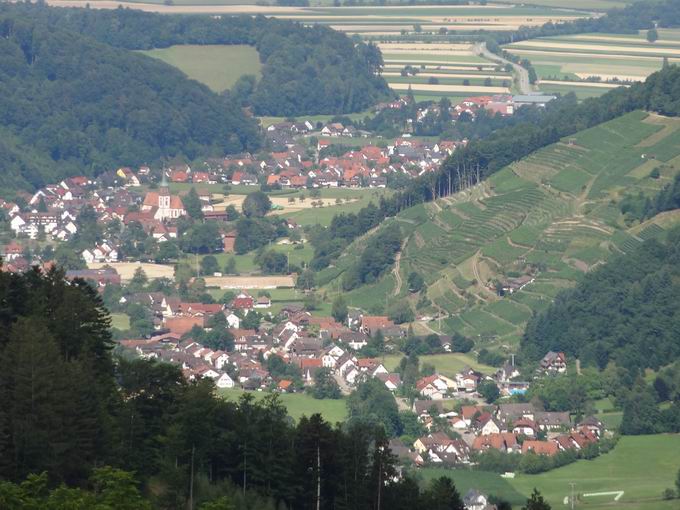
(641,207)
(379,254)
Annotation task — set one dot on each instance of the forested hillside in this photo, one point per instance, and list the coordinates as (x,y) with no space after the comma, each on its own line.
(306,70)
(71,105)
(626,311)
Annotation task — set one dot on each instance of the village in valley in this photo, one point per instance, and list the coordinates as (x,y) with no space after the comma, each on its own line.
(235,334)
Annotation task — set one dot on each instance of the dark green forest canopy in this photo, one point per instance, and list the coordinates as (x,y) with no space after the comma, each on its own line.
(626,312)
(71,105)
(306,70)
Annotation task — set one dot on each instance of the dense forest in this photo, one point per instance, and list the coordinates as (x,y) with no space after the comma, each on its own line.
(70,105)
(626,312)
(73,414)
(306,70)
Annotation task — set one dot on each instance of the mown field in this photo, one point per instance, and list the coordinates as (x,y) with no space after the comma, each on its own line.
(445,364)
(555,211)
(641,466)
(298,404)
(217,66)
(566,63)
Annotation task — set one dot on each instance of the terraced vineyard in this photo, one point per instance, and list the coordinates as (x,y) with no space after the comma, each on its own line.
(553,215)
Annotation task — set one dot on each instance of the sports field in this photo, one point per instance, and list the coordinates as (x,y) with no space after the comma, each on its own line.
(217,66)
(570,63)
(299,404)
(642,467)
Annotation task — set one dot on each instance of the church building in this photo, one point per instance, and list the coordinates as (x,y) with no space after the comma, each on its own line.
(164,205)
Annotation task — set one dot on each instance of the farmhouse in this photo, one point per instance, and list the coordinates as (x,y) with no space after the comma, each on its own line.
(554,362)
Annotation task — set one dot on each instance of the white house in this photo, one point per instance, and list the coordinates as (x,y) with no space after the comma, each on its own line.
(224,381)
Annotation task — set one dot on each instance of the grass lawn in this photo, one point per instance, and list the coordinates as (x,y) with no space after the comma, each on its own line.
(641,466)
(446,364)
(120,321)
(217,66)
(299,404)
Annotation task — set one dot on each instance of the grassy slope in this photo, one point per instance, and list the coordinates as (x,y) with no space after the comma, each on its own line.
(641,466)
(554,209)
(218,67)
(299,404)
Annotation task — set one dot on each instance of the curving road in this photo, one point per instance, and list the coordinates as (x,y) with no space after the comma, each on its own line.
(522,74)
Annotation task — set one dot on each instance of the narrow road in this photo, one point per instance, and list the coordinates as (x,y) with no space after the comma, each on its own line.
(397,268)
(521,74)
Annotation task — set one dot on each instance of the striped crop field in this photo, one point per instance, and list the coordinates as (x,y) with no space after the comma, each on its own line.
(366,20)
(573,63)
(442,70)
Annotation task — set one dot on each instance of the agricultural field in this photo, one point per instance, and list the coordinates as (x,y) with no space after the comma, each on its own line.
(554,211)
(443,70)
(298,404)
(571,63)
(217,66)
(640,466)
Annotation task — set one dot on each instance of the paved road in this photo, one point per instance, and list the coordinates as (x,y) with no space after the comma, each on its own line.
(521,73)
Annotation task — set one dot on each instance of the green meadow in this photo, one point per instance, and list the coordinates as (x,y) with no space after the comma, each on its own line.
(217,66)
(640,466)
(298,404)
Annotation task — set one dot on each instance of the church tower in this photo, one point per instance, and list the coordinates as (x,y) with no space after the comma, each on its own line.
(164,194)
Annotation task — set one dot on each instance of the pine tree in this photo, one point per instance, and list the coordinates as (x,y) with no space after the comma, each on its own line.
(536,502)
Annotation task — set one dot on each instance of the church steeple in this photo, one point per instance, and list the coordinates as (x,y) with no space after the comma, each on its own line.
(164,181)
(164,193)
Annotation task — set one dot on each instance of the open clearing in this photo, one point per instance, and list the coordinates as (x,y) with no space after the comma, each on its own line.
(446,364)
(126,270)
(217,66)
(641,466)
(298,404)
